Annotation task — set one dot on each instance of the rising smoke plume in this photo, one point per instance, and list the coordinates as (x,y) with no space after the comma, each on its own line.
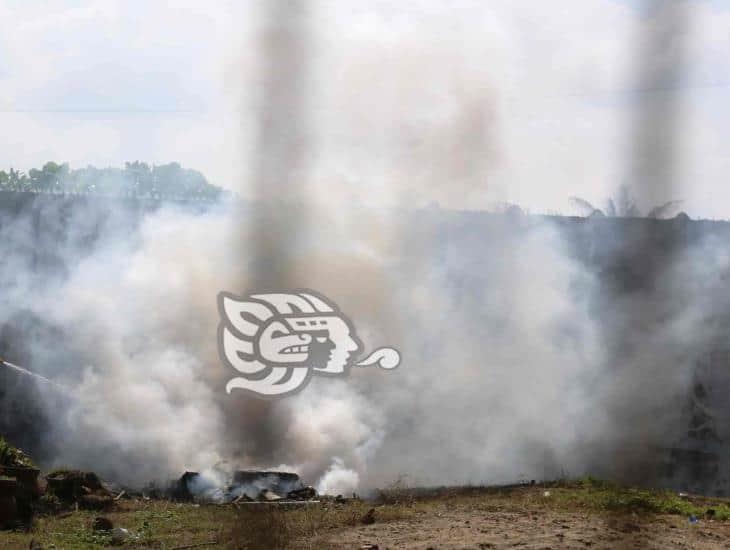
(521,356)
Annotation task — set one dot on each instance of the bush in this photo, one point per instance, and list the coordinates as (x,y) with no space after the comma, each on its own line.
(13,457)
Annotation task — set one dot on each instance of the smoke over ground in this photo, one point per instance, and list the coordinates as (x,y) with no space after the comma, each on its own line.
(519,358)
(529,349)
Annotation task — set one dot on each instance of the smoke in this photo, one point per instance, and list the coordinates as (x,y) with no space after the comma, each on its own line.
(521,356)
(530,347)
(338,480)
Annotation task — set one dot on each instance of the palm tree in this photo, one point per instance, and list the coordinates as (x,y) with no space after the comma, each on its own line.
(623,205)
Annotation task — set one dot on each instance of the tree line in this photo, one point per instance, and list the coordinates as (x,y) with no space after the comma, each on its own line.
(136,179)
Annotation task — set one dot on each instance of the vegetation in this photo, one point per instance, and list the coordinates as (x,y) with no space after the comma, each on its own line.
(624,205)
(600,495)
(12,457)
(587,494)
(136,179)
(164,524)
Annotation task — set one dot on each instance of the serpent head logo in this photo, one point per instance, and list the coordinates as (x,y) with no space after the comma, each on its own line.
(277,341)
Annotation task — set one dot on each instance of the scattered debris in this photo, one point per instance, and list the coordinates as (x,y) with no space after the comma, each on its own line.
(181,489)
(242,498)
(369,517)
(252,482)
(306,493)
(79,488)
(245,486)
(546,494)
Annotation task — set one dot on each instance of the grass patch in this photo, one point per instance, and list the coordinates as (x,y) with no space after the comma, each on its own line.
(590,494)
(603,496)
(13,457)
(162,524)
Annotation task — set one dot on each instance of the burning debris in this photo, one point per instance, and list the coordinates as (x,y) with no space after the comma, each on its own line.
(243,486)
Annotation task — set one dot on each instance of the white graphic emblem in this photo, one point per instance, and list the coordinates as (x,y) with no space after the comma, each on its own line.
(277,341)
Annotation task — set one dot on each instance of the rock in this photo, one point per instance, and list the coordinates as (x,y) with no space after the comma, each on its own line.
(102,524)
(369,517)
(119,535)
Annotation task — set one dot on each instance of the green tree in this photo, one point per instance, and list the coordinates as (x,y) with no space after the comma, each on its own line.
(137,179)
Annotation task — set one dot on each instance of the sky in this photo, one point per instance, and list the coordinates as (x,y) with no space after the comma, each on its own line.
(466,104)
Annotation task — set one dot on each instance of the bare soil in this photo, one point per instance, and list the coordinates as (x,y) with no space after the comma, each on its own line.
(463,526)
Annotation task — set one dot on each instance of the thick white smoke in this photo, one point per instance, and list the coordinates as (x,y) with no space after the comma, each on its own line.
(518,358)
(521,356)
(134,336)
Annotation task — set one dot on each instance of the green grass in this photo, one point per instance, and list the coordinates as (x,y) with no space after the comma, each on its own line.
(162,524)
(588,494)
(166,525)
(602,495)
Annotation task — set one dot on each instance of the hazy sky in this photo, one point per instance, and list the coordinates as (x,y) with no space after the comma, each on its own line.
(463,103)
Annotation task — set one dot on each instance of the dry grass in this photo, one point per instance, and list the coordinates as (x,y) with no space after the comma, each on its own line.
(162,524)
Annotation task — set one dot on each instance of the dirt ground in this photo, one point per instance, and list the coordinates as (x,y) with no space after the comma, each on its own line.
(589,514)
(461,527)
(583,514)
